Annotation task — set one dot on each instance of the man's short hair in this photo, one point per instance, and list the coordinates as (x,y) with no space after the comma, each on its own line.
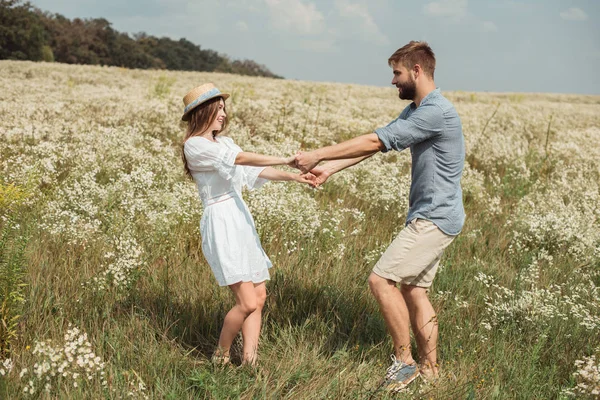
(413,53)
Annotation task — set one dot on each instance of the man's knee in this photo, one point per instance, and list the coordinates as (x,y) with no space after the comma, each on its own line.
(413,292)
(377,284)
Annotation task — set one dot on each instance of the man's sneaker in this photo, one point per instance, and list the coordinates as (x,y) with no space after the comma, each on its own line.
(393,369)
(399,375)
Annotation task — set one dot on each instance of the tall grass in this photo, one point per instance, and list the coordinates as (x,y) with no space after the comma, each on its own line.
(113,264)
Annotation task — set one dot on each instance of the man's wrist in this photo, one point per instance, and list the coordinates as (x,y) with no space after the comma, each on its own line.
(319,155)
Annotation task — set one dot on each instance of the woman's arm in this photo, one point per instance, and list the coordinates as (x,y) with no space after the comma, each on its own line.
(273,174)
(261,160)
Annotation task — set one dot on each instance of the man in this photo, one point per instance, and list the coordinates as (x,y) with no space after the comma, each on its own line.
(432,130)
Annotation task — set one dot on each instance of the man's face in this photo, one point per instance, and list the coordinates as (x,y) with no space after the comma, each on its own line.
(404,81)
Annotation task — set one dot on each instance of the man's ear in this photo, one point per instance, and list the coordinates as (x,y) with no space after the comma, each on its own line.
(416,71)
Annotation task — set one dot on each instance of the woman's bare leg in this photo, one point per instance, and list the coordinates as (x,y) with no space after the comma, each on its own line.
(252,325)
(245,304)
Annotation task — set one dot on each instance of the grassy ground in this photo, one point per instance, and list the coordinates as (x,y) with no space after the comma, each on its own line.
(100,233)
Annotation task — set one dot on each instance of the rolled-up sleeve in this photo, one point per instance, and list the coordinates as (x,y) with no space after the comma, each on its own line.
(426,122)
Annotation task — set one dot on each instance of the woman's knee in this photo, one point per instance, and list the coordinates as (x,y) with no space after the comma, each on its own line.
(261,296)
(245,297)
(248,305)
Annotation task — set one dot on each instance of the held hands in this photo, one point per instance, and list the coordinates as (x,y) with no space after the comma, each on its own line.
(290,161)
(321,174)
(315,178)
(306,178)
(306,161)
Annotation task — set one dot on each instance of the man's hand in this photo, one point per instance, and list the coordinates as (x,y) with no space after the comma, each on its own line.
(321,174)
(306,161)
(290,161)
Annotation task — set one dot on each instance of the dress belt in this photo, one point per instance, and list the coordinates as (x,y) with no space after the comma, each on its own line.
(220,198)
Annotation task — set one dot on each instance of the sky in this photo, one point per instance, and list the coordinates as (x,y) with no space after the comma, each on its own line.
(550,46)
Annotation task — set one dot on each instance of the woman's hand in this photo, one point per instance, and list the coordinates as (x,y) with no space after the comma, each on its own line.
(290,161)
(307,178)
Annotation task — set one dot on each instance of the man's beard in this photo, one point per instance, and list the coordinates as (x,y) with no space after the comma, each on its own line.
(408,90)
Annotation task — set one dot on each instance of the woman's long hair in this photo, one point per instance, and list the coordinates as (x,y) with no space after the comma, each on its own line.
(200,119)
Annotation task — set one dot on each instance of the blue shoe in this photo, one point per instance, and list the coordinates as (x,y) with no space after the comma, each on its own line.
(400,374)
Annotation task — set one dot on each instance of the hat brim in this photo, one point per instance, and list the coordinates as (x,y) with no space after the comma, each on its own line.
(186,115)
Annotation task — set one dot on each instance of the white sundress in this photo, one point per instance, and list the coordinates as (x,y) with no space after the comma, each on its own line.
(230,243)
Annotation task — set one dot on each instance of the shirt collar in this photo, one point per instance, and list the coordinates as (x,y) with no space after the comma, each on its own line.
(434,93)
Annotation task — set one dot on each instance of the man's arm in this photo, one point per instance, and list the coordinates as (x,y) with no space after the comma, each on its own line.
(323,172)
(349,153)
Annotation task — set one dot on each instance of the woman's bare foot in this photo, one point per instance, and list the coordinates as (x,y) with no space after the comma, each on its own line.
(220,357)
(249,362)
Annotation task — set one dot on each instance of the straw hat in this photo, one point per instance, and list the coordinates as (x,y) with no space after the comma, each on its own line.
(199,95)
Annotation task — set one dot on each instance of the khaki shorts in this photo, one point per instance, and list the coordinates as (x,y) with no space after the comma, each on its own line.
(414,255)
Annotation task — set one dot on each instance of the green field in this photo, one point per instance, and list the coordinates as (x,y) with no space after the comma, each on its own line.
(104,292)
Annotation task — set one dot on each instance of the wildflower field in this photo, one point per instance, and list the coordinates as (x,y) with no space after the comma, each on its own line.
(104,292)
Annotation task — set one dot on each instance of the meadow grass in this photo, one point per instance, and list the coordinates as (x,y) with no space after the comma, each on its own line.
(100,228)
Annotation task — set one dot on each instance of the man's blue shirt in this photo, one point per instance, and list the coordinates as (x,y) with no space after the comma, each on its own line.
(433,132)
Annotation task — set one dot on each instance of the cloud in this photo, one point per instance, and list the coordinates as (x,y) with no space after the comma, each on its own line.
(455,11)
(574,14)
(296,17)
(323,45)
(362,21)
(253,6)
(241,26)
(447,8)
(489,26)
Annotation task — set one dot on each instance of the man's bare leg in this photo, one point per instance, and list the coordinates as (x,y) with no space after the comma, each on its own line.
(395,313)
(423,320)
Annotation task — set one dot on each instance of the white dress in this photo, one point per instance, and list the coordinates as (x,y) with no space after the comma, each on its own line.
(229,240)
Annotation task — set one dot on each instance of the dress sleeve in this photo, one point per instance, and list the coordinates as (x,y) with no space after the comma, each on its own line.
(203,155)
(251,179)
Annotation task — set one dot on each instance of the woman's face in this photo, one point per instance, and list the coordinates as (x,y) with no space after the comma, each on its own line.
(217,124)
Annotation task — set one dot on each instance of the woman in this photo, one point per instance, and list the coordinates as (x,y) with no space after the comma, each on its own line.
(229,240)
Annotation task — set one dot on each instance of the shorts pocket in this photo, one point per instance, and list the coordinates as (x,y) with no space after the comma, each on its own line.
(424,226)
(413,225)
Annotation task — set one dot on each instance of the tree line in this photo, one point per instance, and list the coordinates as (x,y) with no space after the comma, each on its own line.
(28,33)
